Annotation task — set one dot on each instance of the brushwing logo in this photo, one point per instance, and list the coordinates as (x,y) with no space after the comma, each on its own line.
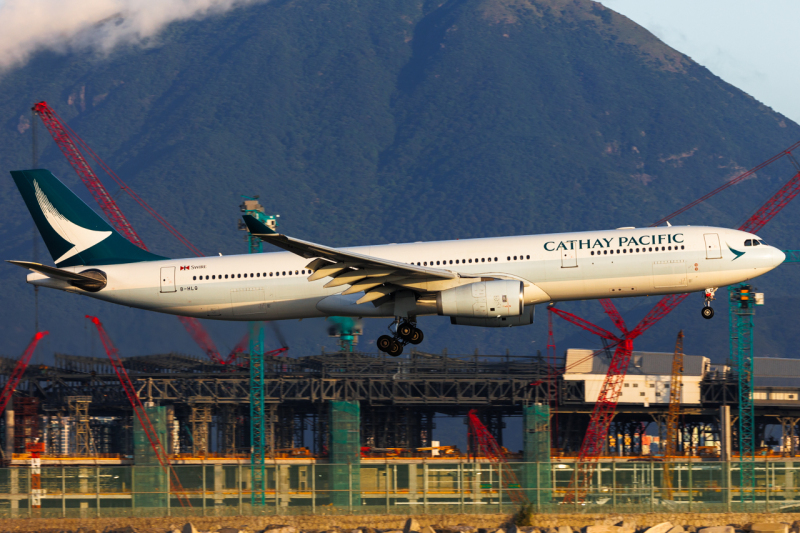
(737,253)
(80,238)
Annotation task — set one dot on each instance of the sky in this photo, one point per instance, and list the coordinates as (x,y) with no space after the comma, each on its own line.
(749,44)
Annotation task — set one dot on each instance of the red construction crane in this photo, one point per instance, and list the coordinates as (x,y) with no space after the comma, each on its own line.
(485,443)
(19,371)
(138,409)
(69,142)
(605,407)
(727,184)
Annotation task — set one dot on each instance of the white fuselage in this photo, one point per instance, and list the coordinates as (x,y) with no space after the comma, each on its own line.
(555,267)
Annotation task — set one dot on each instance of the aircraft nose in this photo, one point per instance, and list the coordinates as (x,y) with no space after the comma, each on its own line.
(777,256)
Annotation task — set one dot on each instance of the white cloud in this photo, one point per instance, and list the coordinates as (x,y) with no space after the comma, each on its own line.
(27,26)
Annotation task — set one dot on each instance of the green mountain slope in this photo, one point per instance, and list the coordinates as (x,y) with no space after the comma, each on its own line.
(388,121)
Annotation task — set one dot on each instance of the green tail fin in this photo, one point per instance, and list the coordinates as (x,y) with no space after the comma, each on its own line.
(74,234)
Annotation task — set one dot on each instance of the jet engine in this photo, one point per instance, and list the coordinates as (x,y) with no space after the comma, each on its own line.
(484,299)
(525,319)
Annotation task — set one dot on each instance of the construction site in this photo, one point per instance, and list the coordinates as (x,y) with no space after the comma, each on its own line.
(269,432)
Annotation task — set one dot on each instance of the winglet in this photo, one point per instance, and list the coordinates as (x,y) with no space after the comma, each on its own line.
(256,227)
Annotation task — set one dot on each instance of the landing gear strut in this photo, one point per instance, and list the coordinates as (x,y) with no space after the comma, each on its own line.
(405,332)
(708,311)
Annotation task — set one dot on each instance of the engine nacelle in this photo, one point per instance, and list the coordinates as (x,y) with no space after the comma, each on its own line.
(484,299)
(525,319)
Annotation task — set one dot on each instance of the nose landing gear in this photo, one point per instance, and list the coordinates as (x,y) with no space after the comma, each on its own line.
(405,332)
(708,311)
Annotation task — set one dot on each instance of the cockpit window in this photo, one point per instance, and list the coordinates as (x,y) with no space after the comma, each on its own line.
(761,242)
(748,242)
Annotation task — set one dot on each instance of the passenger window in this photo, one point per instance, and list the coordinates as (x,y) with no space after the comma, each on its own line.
(284,273)
(483,260)
(650,249)
(296,272)
(508,258)
(206,277)
(194,278)
(681,247)
(270,274)
(456,261)
(527,257)
(515,258)
(637,250)
(662,248)
(437,262)
(470,260)
(213,277)
(592,253)
(624,251)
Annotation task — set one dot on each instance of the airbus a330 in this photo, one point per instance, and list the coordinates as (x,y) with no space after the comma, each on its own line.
(489,282)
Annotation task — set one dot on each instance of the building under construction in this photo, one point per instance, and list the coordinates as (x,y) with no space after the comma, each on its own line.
(357,428)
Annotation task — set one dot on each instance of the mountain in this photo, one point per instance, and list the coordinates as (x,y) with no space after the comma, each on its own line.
(387,121)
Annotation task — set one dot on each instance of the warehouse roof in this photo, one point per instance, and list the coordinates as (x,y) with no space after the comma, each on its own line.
(641,363)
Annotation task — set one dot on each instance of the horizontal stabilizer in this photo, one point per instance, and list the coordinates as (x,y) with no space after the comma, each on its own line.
(91,280)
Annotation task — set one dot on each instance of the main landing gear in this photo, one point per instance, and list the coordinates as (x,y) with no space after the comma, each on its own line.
(708,311)
(405,332)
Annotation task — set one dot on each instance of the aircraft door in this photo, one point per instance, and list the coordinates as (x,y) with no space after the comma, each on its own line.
(569,259)
(713,249)
(167,279)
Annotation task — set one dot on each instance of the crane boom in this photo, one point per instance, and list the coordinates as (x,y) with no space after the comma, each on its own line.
(19,370)
(138,409)
(87,175)
(486,442)
(675,390)
(69,142)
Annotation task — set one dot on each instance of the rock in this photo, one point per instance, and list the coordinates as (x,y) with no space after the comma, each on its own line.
(229,530)
(609,529)
(766,527)
(663,527)
(563,529)
(412,525)
(189,528)
(512,529)
(676,529)
(280,529)
(717,529)
(690,529)
(627,524)
(463,528)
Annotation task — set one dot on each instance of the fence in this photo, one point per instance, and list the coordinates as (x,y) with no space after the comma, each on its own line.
(400,488)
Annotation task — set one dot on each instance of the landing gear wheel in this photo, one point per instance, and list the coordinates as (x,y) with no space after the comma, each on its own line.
(405,331)
(707,312)
(395,348)
(416,336)
(384,343)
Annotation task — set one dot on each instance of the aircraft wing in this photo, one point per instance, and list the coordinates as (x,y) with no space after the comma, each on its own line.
(375,276)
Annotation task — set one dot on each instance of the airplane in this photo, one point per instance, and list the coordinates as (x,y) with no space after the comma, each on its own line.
(487,282)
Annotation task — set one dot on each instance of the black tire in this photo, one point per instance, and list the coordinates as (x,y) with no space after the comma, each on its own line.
(416,336)
(395,349)
(384,343)
(405,331)
(708,313)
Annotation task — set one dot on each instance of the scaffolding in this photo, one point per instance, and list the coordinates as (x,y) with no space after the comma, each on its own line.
(345,453)
(151,478)
(742,310)
(79,411)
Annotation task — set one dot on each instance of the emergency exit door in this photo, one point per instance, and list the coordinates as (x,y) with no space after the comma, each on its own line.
(713,249)
(569,259)
(167,279)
